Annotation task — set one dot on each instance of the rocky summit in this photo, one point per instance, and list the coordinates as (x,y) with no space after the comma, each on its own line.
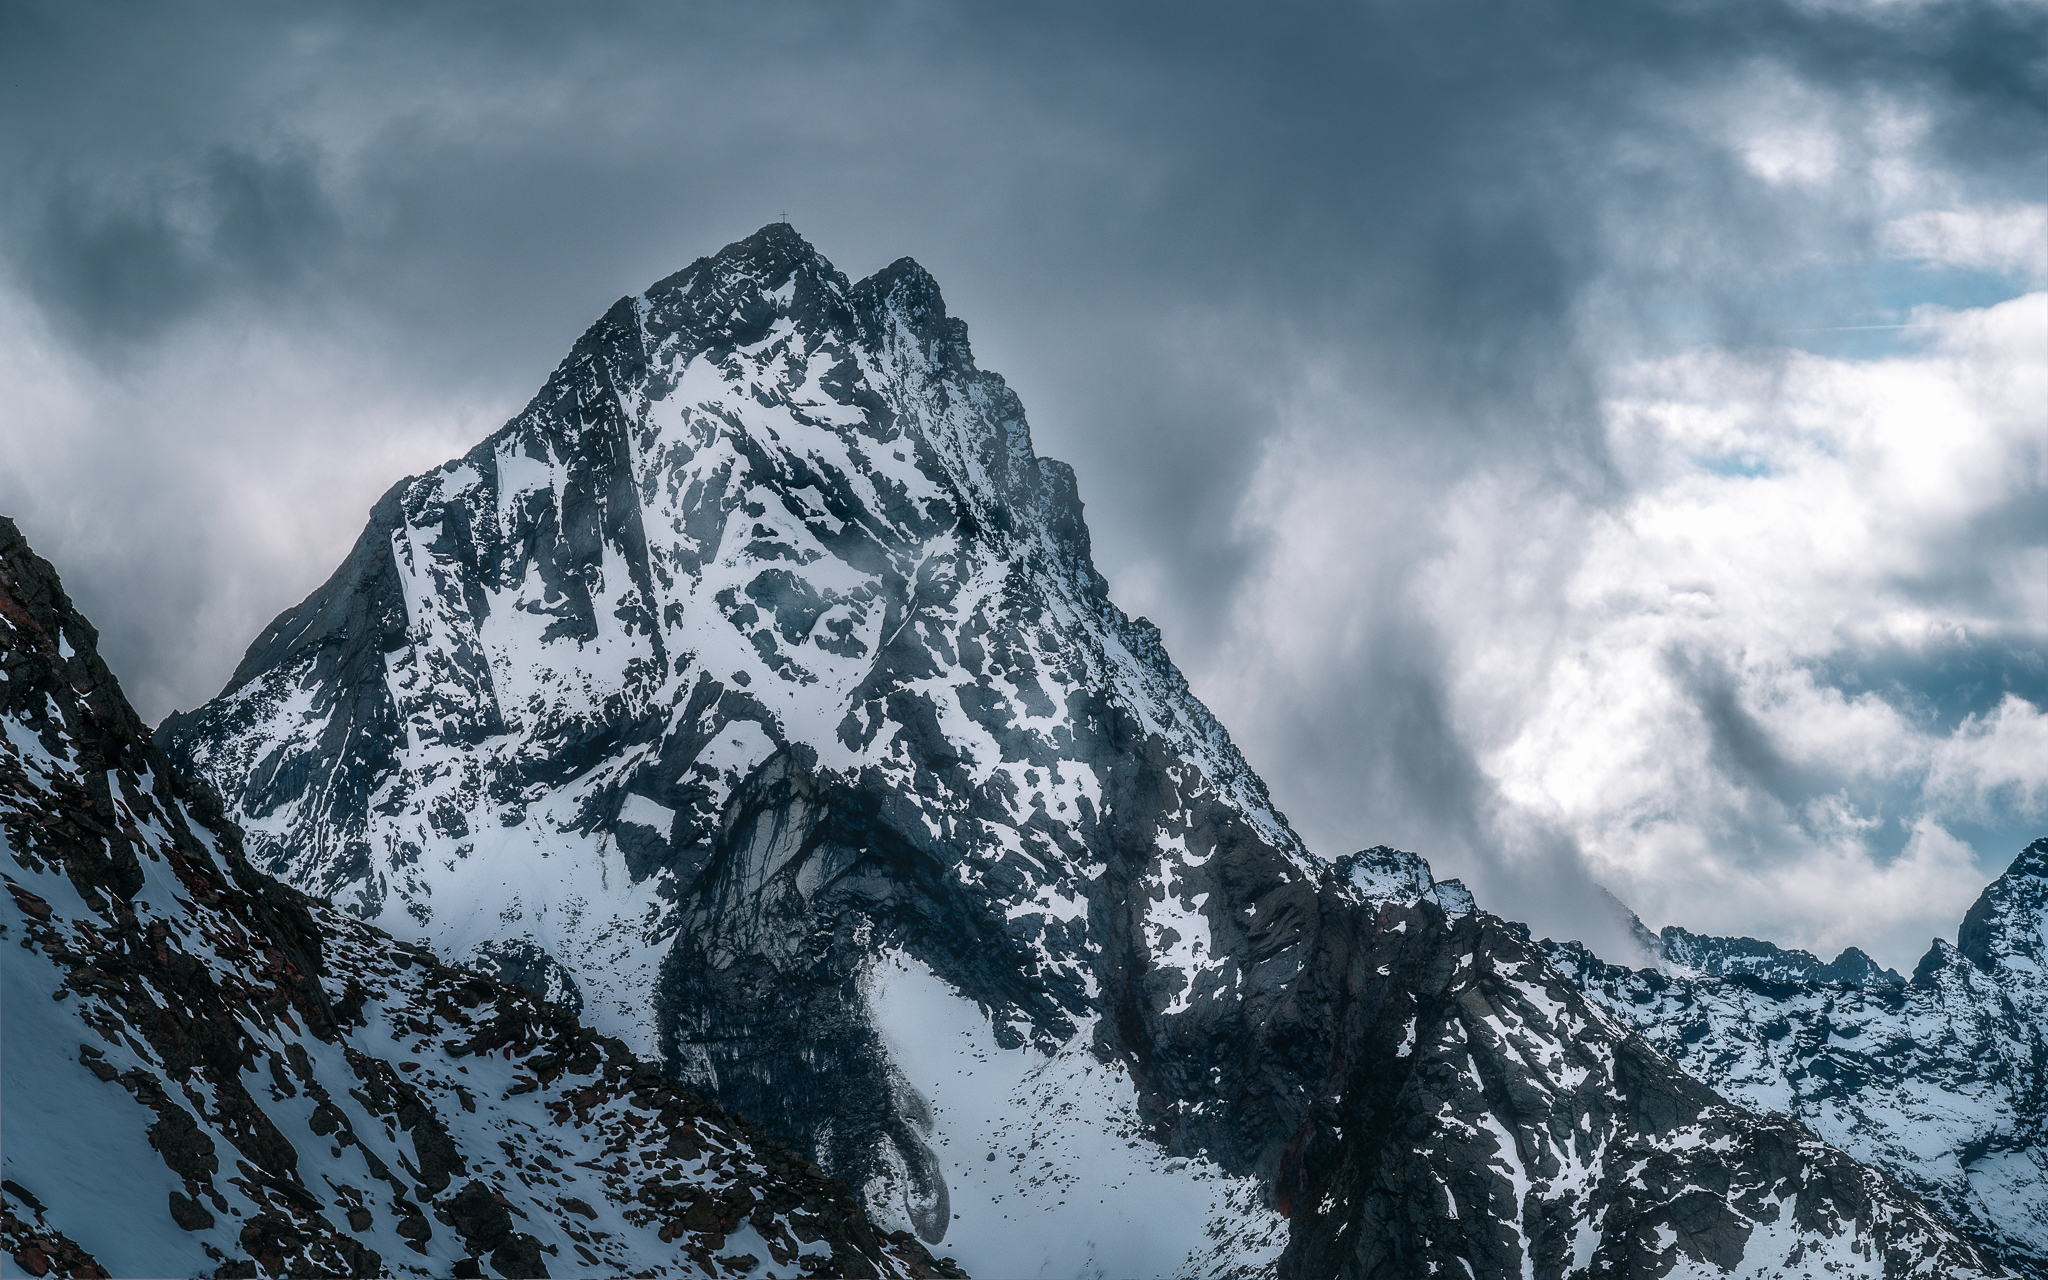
(759,648)
(753,690)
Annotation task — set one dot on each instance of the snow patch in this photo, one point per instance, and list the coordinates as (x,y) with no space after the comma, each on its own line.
(1048,1165)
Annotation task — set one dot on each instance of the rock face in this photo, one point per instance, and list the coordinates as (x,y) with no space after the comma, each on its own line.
(1942,1082)
(207,1073)
(757,677)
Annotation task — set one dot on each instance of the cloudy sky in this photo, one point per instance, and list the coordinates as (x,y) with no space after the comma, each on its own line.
(1576,441)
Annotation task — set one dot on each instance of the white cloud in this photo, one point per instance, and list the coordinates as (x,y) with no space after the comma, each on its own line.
(1793,154)
(1463,613)
(1993,763)
(1791,514)
(2007,238)
(1707,689)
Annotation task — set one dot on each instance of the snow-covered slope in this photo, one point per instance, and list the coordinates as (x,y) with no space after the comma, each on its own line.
(756,685)
(1942,1082)
(206,1073)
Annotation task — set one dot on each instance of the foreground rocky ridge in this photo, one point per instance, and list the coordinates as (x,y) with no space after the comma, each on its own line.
(757,679)
(208,1073)
(1941,1081)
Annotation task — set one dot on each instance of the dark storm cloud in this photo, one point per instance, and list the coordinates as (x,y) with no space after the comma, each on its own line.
(120,263)
(1168,225)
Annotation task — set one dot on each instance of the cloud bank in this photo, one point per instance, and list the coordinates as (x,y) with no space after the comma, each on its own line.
(1578,442)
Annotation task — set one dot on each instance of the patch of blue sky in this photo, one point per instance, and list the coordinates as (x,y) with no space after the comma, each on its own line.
(1944,680)
(1939,684)
(1871,310)
(1745,465)
(1998,841)
(1888,838)
(1893,815)
(1860,310)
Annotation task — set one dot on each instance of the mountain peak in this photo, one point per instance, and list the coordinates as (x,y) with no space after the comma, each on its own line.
(775,248)
(767,559)
(776,271)
(779,232)
(909,291)
(2032,861)
(2007,918)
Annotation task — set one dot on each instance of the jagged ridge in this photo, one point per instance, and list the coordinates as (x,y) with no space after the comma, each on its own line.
(1942,1082)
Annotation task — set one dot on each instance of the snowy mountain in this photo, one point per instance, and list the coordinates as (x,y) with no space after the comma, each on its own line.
(755,684)
(1680,951)
(207,1073)
(1942,1082)
(1726,957)
(761,643)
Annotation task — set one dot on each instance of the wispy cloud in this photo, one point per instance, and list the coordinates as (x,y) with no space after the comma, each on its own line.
(1772,679)
(2010,239)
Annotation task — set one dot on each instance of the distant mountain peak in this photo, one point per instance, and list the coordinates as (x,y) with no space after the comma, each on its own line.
(1938,1081)
(1720,957)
